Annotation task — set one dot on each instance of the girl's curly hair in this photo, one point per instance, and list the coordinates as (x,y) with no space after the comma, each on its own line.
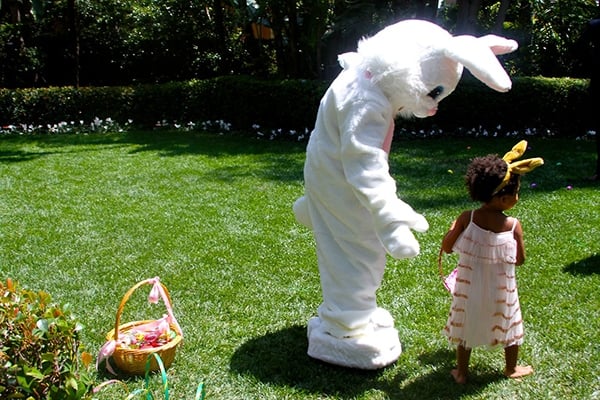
(484,174)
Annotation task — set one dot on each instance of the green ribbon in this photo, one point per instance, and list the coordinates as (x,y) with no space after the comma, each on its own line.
(165,381)
(200,392)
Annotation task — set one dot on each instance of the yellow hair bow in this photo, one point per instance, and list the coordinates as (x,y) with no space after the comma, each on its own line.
(517,167)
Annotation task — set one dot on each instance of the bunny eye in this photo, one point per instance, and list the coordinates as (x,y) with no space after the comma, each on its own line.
(434,94)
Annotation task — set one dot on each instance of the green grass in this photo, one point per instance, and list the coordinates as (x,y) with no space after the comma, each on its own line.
(86,217)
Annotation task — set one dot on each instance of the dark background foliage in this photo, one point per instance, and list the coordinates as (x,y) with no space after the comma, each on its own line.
(123,42)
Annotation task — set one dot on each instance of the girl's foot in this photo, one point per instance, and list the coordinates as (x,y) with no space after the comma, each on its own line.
(458,377)
(518,372)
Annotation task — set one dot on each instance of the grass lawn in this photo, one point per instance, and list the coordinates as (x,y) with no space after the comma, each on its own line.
(86,217)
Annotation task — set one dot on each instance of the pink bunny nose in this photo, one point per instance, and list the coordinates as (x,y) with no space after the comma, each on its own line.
(432,112)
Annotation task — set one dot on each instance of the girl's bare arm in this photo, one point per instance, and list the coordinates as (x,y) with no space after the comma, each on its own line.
(518,234)
(455,230)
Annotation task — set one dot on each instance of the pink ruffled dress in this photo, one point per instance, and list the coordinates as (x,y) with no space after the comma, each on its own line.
(485,307)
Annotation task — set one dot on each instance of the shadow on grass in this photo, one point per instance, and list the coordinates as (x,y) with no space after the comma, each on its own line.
(27,148)
(16,156)
(414,164)
(164,142)
(174,143)
(586,266)
(279,358)
(274,160)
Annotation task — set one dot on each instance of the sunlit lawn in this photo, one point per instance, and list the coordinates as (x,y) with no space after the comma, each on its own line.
(86,217)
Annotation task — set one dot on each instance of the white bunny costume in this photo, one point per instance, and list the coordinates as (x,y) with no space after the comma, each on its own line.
(350,199)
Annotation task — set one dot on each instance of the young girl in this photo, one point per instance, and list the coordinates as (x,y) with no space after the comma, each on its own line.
(485,307)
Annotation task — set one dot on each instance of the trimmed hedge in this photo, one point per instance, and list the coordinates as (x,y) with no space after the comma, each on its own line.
(557,105)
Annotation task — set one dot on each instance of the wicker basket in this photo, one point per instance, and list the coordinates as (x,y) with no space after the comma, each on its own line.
(133,361)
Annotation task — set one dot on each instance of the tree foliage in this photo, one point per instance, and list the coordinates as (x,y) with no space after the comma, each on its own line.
(114,42)
(556,28)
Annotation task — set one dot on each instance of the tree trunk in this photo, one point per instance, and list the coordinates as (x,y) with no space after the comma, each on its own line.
(221,36)
(74,38)
(427,9)
(467,16)
(504,4)
(293,36)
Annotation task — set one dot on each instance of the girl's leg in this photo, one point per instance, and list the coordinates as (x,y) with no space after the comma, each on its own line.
(462,368)
(512,370)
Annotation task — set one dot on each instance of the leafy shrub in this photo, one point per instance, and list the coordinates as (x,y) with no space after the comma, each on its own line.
(548,104)
(39,347)
(556,105)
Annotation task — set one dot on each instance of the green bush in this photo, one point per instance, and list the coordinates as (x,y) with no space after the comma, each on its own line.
(547,104)
(39,347)
(554,105)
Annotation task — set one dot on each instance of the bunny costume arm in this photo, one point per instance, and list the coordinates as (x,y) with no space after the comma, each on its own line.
(366,168)
(353,122)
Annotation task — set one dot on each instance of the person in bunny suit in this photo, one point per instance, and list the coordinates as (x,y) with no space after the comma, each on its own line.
(350,201)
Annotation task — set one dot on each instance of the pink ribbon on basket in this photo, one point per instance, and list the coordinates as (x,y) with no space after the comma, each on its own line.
(161,325)
(105,352)
(158,290)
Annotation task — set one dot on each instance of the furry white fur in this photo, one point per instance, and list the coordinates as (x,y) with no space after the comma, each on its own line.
(350,200)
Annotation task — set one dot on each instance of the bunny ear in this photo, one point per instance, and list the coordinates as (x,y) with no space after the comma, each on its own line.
(349,60)
(524,166)
(478,56)
(516,152)
(498,44)
(517,167)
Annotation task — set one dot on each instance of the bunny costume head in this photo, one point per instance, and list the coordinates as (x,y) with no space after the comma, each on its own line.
(417,63)
(350,201)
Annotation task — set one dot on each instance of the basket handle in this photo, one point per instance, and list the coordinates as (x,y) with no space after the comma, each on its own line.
(166,298)
(440,266)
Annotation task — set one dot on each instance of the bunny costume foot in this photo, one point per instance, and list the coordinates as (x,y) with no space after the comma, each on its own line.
(372,350)
(350,201)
